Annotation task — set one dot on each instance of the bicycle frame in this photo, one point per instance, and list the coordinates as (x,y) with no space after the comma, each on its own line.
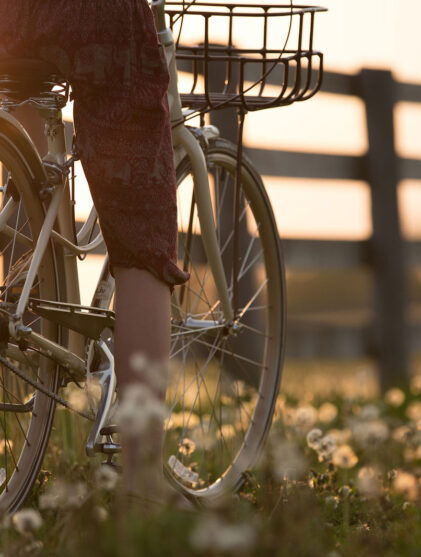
(59,211)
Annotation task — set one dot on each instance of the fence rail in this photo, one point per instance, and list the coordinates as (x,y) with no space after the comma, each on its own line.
(384,329)
(386,254)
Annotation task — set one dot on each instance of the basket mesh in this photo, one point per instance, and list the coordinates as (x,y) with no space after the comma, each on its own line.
(245,55)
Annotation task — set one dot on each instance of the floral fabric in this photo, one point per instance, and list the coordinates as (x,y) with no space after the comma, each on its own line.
(109,52)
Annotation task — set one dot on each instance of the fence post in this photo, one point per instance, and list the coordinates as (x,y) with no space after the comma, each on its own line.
(378,90)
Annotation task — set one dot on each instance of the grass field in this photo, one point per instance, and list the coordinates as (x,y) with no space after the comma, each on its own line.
(340,476)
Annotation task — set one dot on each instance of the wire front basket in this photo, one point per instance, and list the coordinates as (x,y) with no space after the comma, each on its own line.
(245,55)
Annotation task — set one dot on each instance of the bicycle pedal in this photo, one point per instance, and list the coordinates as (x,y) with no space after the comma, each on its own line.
(110,429)
(108,448)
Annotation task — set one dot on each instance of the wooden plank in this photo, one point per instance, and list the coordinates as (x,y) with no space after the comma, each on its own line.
(325,254)
(389,266)
(271,162)
(408,92)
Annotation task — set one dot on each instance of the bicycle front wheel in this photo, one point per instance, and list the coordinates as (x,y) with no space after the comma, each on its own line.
(224,379)
(26,414)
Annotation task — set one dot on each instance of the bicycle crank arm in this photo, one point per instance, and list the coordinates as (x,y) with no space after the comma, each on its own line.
(107,381)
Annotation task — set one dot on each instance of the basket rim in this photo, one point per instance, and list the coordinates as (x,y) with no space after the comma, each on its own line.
(285,10)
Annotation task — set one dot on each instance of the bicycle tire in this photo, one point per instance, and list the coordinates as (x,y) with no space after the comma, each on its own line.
(191,454)
(24,436)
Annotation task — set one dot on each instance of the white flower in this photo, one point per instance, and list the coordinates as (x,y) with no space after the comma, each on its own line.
(327,412)
(413,411)
(63,495)
(288,461)
(344,457)
(27,520)
(313,438)
(78,399)
(371,432)
(368,481)
(100,513)
(140,409)
(401,434)
(106,478)
(406,484)
(327,447)
(213,534)
(395,397)
(153,373)
(345,491)
(305,416)
(186,447)
(369,412)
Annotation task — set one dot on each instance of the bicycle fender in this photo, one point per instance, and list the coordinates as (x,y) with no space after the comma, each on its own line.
(15,134)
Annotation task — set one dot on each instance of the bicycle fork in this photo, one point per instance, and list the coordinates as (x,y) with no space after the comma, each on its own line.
(185,141)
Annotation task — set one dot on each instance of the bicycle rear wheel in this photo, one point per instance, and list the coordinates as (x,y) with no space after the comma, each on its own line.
(223,380)
(26,414)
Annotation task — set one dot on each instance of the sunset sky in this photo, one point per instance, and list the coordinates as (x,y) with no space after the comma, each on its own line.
(353,35)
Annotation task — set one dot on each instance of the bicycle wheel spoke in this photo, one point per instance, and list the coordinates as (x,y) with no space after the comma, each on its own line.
(220,372)
(25,418)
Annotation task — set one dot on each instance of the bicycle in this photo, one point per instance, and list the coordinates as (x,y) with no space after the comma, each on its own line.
(228,321)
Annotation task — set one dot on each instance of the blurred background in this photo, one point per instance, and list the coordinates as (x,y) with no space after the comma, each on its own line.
(343,171)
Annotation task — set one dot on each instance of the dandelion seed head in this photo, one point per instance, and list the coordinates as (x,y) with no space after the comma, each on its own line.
(344,457)
(27,521)
(401,434)
(63,495)
(305,417)
(369,412)
(345,491)
(327,412)
(406,484)
(313,438)
(202,437)
(140,409)
(413,411)
(186,447)
(370,432)
(327,447)
(106,478)
(395,397)
(152,372)
(100,513)
(78,399)
(213,534)
(368,481)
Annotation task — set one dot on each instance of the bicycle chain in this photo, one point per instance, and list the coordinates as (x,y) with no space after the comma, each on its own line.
(58,399)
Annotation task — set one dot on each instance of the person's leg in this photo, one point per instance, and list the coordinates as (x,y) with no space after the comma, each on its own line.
(142,327)
(142,320)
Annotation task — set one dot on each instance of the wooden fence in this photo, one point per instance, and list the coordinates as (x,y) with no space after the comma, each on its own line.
(385,254)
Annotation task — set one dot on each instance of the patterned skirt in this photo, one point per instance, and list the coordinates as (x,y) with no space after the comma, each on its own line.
(109,52)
